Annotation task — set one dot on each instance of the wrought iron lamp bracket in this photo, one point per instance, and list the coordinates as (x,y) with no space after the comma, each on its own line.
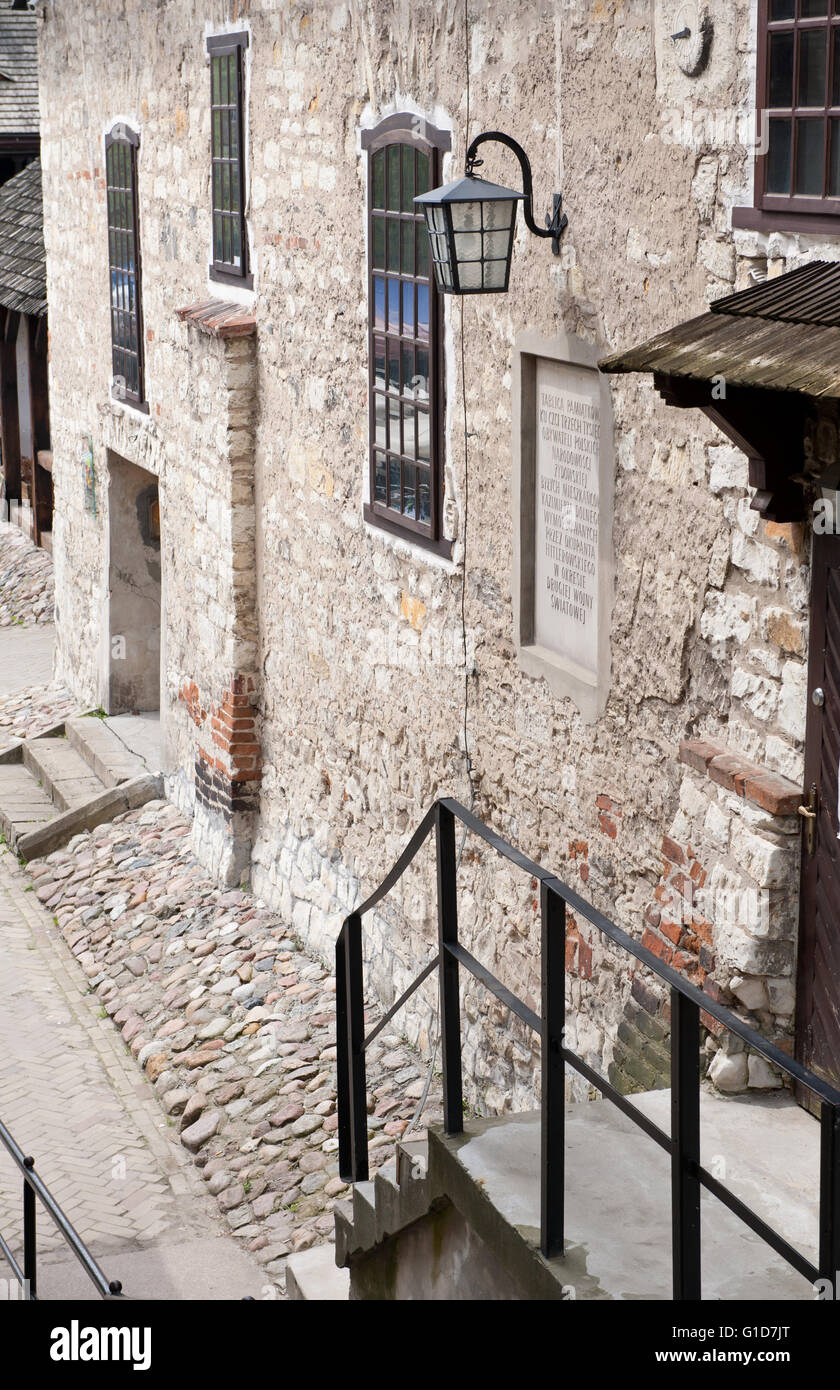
(558,222)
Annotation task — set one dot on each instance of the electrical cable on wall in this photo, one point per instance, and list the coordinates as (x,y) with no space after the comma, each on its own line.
(467,757)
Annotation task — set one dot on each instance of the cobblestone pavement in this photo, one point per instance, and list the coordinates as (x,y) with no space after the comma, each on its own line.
(30,701)
(26,580)
(232,1022)
(72,1097)
(34,709)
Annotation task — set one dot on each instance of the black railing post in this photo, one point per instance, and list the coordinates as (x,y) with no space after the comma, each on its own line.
(450,1006)
(830,1193)
(350,1053)
(552,1176)
(685,1141)
(30,1256)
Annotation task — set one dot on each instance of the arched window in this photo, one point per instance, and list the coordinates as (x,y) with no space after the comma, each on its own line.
(405,333)
(121,145)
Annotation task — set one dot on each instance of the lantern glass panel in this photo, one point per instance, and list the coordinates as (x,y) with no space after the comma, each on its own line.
(496,245)
(498,215)
(469,275)
(468,246)
(466,217)
(495,274)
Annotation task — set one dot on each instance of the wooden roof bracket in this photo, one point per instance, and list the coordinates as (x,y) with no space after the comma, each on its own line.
(768,426)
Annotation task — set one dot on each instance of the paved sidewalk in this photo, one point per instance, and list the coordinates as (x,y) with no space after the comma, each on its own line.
(71,1095)
(26,657)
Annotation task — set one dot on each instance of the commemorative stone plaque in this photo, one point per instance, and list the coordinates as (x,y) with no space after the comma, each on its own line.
(563,504)
(568,448)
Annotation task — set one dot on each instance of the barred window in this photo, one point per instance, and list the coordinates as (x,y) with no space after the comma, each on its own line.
(405,337)
(121,146)
(230,237)
(799,99)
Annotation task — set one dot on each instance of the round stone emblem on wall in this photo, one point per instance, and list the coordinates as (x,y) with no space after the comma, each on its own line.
(692,34)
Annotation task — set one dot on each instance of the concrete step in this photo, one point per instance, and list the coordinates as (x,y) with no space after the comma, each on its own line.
(459,1217)
(313,1275)
(399,1194)
(364,1213)
(49,792)
(24,805)
(102,750)
(61,771)
(345,1235)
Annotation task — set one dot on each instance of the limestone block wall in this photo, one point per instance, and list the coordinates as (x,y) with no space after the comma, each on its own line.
(304,644)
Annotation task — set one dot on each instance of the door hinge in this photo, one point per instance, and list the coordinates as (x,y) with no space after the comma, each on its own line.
(809,815)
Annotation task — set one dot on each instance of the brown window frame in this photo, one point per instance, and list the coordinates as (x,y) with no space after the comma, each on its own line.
(792,211)
(410,131)
(227,272)
(121,137)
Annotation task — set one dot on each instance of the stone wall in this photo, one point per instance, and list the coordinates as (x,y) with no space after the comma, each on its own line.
(346,642)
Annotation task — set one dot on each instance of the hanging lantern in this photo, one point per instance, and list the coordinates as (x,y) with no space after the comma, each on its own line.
(471,224)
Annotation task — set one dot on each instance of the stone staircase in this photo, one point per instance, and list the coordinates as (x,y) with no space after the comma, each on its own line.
(459,1216)
(70,778)
(398,1195)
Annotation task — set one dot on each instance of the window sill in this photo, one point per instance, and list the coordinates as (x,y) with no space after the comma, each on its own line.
(230,277)
(443,548)
(142,407)
(810,223)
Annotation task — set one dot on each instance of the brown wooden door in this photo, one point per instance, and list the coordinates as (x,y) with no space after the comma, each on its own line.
(818,976)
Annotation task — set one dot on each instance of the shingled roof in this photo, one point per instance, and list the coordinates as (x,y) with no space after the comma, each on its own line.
(782,335)
(18,72)
(23,274)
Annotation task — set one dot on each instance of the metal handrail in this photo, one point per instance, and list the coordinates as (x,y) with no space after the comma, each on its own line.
(27,1275)
(688,1176)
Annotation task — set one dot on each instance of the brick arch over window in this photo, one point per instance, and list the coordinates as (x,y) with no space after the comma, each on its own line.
(405,343)
(121,147)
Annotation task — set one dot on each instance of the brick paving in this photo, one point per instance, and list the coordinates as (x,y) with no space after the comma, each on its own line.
(72,1097)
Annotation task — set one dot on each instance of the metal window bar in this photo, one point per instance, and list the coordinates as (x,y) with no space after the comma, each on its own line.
(27,1274)
(688,1176)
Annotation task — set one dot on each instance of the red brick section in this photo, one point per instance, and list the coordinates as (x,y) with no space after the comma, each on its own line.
(579,850)
(219,318)
(770,791)
(608,813)
(578,951)
(233,729)
(675,931)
